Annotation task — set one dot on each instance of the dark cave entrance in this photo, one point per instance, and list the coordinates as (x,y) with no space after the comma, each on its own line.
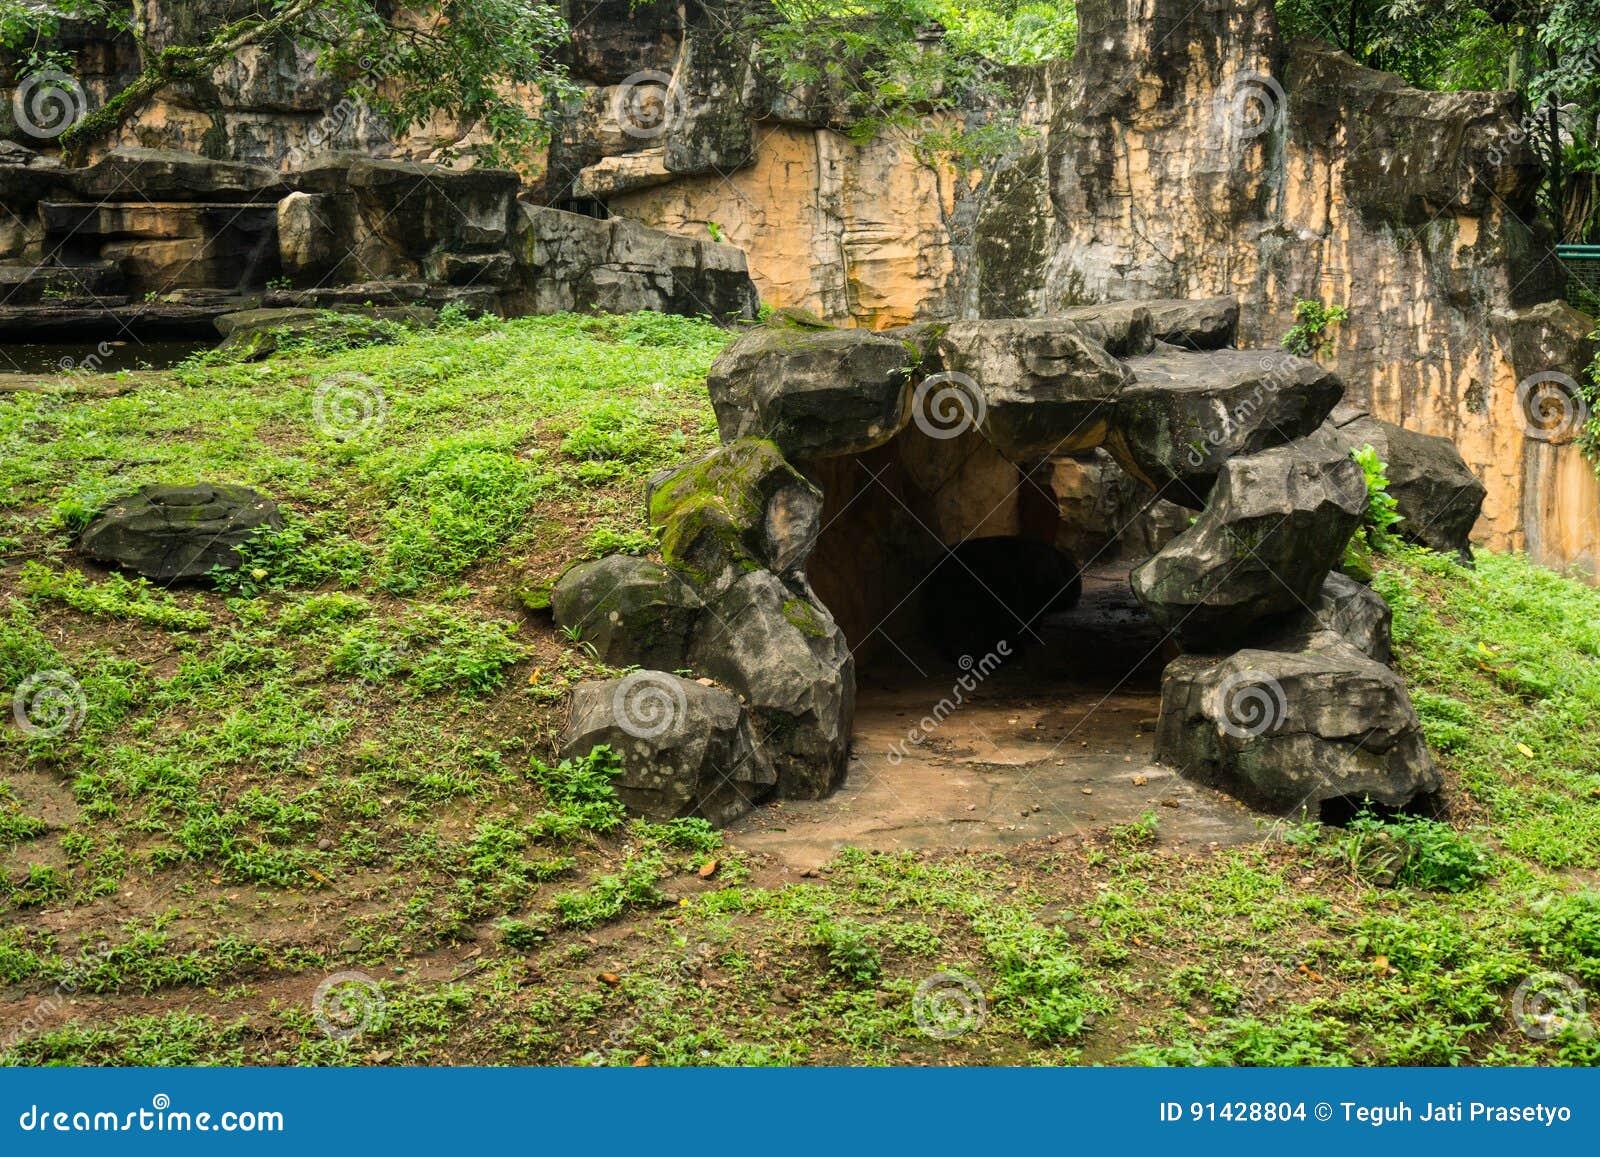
(941,556)
(953,745)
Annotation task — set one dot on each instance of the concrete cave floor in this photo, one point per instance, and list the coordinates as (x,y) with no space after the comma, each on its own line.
(1057,741)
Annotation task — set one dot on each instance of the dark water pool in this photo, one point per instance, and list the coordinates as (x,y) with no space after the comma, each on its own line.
(94,356)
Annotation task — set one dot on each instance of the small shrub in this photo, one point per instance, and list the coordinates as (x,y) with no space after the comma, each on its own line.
(1376,520)
(1415,851)
(580,794)
(1309,336)
(850,949)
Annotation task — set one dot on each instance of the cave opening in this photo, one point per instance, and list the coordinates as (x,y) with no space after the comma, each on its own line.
(1007,680)
(940,556)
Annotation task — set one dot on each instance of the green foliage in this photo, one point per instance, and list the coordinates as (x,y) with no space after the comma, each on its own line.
(434,649)
(580,795)
(634,886)
(849,948)
(1039,980)
(302,553)
(1425,853)
(1309,336)
(1381,513)
(873,62)
(117,597)
(451,508)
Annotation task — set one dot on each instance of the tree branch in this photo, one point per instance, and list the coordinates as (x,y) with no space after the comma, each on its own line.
(172,65)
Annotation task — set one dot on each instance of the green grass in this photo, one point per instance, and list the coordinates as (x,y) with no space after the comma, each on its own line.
(344,758)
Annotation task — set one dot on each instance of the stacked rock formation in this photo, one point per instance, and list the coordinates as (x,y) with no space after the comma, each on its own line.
(1282,694)
(164,243)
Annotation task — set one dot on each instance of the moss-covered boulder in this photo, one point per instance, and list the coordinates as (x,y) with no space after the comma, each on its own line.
(253,334)
(634,612)
(739,509)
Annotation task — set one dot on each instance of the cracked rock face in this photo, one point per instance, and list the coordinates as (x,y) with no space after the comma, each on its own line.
(1185,414)
(1294,723)
(179,533)
(1277,522)
(686,749)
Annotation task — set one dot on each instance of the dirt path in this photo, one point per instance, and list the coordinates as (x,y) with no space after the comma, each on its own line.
(1058,740)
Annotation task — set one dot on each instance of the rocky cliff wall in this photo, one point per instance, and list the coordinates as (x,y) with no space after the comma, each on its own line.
(1189,153)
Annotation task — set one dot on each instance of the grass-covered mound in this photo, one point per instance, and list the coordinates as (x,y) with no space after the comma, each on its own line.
(342,761)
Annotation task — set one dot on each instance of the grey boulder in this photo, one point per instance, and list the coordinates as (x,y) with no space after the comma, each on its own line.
(1034,386)
(179,533)
(1352,612)
(1288,727)
(778,648)
(1187,413)
(1123,327)
(1206,323)
(632,611)
(686,749)
(1436,495)
(816,393)
(1276,524)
